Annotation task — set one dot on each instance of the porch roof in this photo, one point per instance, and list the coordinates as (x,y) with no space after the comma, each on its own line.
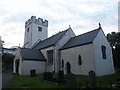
(32,54)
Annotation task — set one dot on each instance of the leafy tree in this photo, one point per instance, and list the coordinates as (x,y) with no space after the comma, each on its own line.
(7,59)
(114,40)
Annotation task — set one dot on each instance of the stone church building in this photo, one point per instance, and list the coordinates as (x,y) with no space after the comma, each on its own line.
(62,51)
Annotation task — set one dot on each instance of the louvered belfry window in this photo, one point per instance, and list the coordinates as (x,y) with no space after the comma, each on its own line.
(39,28)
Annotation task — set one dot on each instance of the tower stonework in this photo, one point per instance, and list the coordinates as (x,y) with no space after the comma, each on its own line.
(35,30)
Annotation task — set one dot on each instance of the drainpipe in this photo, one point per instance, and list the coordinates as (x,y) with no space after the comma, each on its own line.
(60,60)
(46,66)
(54,57)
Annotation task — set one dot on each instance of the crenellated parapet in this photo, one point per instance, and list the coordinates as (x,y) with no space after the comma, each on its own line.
(38,21)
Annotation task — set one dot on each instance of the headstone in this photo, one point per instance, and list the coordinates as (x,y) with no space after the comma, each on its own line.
(119,79)
(92,78)
(60,75)
(71,81)
(47,76)
(33,73)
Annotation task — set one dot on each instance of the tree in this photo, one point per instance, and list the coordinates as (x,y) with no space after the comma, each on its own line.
(7,59)
(114,40)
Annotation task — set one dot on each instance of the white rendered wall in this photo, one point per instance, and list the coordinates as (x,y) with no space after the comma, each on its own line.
(56,62)
(27,37)
(103,66)
(36,35)
(71,55)
(28,65)
(33,35)
(65,38)
(17,57)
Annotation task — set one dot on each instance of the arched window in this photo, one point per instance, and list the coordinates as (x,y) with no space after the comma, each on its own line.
(79,60)
(103,48)
(62,63)
(68,68)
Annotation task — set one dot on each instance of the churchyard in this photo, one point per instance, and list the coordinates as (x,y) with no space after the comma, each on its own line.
(50,80)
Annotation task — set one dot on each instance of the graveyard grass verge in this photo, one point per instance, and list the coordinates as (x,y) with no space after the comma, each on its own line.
(37,81)
(31,82)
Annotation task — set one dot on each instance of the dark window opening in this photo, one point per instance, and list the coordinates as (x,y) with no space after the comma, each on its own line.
(79,60)
(28,29)
(62,63)
(103,48)
(39,28)
(50,56)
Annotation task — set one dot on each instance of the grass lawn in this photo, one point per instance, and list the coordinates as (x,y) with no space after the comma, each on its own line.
(37,82)
(32,82)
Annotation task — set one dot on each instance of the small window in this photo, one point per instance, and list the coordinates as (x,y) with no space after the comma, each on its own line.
(62,63)
(103,48)
(79,60)
(28,29)
(39,28)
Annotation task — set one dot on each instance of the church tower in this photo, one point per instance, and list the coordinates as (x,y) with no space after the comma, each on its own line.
(35,30)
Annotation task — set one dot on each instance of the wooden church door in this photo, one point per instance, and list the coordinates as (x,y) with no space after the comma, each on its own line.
(68,68)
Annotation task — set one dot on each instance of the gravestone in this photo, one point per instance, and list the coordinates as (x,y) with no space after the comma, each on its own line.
(118,82)
(92,78)
(71,81)
(60,75)
(33,73)
(47,76)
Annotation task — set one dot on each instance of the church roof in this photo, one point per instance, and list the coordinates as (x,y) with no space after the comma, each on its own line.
(32,54)
(82,39)
(50,41)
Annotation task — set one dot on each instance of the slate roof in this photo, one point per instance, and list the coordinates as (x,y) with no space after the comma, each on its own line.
(51,40)
(32,54)
(82,39)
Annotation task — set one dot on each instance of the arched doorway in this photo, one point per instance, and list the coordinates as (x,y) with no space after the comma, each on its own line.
(68,68)
(17,66)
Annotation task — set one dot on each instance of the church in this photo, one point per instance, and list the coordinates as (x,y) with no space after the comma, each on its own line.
(62,51)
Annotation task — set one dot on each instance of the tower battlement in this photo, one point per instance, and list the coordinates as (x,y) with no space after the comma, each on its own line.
(38,21)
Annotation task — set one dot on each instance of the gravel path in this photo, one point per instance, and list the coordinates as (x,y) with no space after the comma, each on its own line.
(6,77)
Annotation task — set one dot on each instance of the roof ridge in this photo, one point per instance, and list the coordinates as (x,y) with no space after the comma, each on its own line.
(63,34)
(92,35)
(55,34)
(87,32)
(29,48)
(51,37)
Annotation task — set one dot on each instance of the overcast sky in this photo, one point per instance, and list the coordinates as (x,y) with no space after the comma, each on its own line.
(82,15)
